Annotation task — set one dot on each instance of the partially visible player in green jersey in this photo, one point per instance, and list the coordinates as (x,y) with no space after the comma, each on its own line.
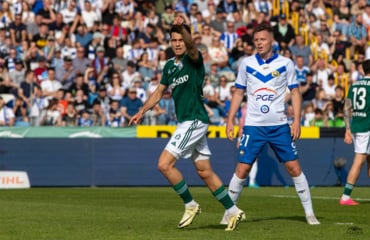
(184,75)
(357,119)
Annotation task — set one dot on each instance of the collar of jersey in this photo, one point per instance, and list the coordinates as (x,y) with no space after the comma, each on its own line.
(261,61)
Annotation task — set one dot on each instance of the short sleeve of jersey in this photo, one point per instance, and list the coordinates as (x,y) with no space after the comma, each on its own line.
(291,75)
(241,79)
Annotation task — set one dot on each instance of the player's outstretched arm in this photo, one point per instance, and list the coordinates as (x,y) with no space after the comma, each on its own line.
(149,104)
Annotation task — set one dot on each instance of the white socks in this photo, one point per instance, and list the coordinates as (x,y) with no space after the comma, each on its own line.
(235,187)
(303,191)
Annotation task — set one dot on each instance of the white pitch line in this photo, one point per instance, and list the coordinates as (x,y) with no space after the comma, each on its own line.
(320,197)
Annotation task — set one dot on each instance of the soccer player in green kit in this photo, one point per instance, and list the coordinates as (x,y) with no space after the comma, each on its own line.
(184,76)
(357,104)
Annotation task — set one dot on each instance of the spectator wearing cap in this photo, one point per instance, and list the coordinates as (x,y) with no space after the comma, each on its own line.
(57,60)
(49,50)
(94,44)
(17,76)
(218,24)
(247,37)
(308,89)
(66,74)
(69,13)
(50,86)
(18,30)
(7,118)
(103,99)
(130,104)
(100,64)
(284,33)
(89,15)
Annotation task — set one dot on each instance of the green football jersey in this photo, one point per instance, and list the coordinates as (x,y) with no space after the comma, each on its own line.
(359,93)
(185,79)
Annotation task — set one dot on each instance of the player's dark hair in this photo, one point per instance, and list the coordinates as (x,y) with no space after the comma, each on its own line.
(178,29)
(366,66)
(263,27)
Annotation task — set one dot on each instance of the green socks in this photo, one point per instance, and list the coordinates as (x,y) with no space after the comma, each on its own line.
(182,189)
(223,197)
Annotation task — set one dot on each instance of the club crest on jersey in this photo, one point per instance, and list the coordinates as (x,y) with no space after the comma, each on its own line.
(275,74)
(265,109)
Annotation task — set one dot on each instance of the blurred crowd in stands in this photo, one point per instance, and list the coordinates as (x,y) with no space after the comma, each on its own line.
(94,62)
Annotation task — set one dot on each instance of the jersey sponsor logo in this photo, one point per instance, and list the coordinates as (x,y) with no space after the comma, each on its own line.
(179,81)
(264,94)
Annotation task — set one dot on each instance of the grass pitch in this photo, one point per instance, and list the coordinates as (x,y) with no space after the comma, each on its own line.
(146,213)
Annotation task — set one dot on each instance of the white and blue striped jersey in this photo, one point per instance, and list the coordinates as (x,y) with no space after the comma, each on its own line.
(266,83)
(228,39)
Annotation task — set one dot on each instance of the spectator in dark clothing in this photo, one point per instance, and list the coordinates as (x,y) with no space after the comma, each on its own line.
(284,32)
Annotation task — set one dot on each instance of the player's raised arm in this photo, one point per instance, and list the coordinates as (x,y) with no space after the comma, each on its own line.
(186,37)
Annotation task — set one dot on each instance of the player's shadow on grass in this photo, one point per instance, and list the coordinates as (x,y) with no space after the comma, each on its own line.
(289,218)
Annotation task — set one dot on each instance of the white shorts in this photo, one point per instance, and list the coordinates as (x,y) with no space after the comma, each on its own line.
(361,142)
(190,141)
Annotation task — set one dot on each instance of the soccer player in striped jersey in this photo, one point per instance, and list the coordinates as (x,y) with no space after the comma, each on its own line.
(265,77)
(184,76)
